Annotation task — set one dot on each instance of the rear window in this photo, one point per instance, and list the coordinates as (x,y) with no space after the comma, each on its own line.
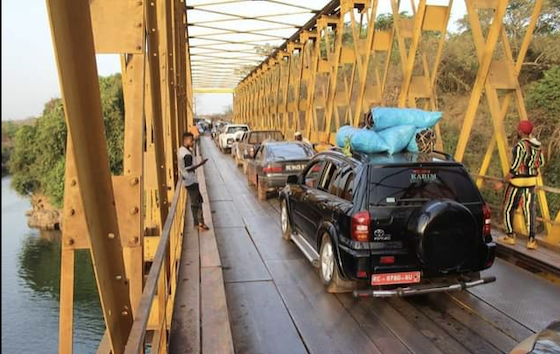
(231,130)
(289,151)
(259,137)
(398,185)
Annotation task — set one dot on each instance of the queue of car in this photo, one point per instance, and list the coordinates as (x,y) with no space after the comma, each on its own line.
(376,225)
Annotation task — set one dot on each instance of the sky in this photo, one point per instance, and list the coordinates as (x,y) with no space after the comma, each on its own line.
(29,73)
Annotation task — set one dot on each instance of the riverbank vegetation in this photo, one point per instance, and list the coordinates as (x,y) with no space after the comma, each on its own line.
(9,130)
(37,160)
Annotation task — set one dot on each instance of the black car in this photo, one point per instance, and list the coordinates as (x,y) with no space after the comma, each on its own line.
(384,225)
(274,162)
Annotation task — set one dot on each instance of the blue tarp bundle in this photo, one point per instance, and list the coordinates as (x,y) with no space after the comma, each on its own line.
(397,138)
(388,117)
(345,133)
(394,130)
(369,141)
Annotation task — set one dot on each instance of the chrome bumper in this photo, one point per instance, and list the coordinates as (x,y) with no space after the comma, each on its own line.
(423,289)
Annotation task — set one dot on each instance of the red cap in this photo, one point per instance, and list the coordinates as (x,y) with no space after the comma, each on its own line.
(525,127)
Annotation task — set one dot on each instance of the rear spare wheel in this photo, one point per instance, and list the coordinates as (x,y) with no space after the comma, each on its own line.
(447,235)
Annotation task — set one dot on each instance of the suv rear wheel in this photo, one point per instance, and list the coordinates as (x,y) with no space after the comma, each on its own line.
(328,269)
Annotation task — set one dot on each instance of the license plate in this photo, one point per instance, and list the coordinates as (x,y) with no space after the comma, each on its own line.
(294,167)
(395,278)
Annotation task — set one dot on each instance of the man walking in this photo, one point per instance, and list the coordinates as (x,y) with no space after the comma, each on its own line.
(187,171)
(522,178)
(299,137)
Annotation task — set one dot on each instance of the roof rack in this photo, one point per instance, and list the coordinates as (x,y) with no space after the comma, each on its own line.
(446,155)
(360,156)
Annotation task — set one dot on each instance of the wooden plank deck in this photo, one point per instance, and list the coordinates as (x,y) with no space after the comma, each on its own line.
(277,304)
(201,321)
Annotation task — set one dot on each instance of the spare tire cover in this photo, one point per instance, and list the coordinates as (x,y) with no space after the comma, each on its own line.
(447,234)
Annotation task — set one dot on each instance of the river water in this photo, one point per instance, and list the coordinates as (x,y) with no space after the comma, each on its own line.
(30,286)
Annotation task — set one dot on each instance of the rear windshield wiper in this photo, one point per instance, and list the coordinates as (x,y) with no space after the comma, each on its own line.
(412,200)
(398,201)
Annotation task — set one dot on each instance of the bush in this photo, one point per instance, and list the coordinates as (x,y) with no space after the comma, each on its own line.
(545,95)
(543,99)
(37,163)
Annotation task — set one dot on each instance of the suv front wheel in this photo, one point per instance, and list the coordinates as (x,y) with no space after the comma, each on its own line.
(328,269)
(285,221)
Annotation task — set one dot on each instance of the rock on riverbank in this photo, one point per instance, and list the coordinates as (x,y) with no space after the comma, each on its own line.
(43,215)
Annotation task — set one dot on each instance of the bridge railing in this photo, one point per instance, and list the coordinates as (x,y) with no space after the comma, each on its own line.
(552,238)
(159,291)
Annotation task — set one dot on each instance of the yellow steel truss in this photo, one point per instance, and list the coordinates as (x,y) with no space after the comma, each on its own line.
(118,217)
(323,82)
(498,76)
(313,82)
(419,89)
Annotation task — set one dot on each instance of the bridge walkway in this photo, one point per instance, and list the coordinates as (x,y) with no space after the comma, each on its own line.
(277,304)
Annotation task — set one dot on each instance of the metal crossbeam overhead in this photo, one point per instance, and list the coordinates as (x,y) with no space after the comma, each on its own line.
(257,32)
(250,29)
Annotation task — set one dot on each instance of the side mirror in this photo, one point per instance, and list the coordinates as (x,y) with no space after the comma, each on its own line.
(292,179)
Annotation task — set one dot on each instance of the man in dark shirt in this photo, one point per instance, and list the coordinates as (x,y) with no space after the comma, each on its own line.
(187,171)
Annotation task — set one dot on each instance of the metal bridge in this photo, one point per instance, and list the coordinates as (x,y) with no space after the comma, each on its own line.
(238,288)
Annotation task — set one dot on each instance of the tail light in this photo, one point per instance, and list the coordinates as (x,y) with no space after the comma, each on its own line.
(317,168)
(360,226)
(387,260)
(487,215)
(272,169)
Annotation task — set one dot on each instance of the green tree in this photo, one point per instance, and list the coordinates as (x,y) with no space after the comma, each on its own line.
(37,163)
(543,99)
(22,161)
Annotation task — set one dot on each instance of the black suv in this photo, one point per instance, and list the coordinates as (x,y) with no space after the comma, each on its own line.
(383,225)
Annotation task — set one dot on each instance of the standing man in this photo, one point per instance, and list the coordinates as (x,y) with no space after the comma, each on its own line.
(187,171)
(521,179)
(299,137)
